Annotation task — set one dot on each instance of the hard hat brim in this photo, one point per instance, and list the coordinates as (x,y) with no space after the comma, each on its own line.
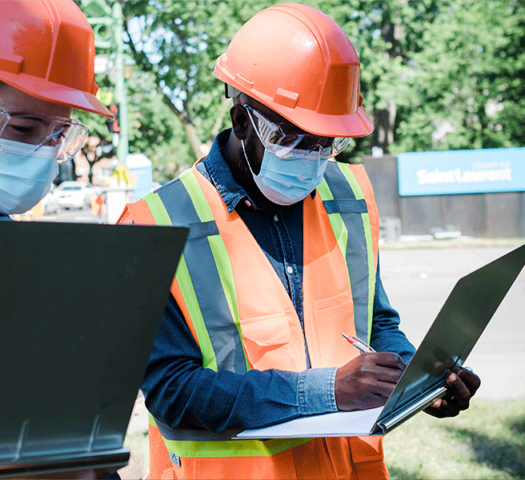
(56,93)
(354,125)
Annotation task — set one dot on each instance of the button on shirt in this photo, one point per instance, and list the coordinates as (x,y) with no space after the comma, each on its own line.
(179,392)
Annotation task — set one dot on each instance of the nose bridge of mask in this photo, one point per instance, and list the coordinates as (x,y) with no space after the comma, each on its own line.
(21,149)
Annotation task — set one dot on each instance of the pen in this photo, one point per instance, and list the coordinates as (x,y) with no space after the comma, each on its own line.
(359,344)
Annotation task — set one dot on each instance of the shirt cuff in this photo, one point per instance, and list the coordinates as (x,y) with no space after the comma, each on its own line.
(316,391)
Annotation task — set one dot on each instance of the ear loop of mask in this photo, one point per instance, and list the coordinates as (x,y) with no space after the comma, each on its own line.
(246,158)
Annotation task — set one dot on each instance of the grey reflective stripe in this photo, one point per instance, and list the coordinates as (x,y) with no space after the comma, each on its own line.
(349,205)
(204,229)
(201,264)
(356,251)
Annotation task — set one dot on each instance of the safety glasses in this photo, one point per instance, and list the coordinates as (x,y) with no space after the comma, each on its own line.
(287,145)
(65,135)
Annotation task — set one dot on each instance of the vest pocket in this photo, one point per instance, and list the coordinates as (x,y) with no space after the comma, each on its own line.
(333,316)
(266,341)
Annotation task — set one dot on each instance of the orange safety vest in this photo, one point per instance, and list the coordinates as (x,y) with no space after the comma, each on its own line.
(239,328)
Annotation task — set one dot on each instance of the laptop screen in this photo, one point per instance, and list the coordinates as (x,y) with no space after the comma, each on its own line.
(80,307)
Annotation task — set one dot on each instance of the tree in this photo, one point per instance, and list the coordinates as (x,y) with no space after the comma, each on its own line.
(435,74)
(178,42)
(467,79)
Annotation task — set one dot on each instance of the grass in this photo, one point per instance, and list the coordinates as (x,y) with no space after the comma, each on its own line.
(486,442)
(137,442)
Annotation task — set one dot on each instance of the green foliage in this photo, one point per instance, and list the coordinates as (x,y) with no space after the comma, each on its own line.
(154,130)
(96,123)
(467,78)
(179,42)
(435,74)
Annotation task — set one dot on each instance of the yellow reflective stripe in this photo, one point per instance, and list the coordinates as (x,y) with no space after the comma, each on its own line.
(157,209)
(338,225)
(197,197)
(218,249)
(151,420)
(232,448)
(354,185)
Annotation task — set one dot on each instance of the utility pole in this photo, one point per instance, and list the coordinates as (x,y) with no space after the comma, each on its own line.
(106,22)
(121,87)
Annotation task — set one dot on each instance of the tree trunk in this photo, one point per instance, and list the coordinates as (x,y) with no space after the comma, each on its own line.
(384,121)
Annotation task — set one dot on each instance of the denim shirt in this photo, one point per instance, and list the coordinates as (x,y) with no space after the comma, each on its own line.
(179,392)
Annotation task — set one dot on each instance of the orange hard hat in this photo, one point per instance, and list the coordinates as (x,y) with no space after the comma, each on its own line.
(47,49)
(297,61)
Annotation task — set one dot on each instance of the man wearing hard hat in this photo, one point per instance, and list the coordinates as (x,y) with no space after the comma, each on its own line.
(47,56)
(282,258)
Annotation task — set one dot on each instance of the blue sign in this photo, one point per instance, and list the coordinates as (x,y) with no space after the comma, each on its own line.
(461,171)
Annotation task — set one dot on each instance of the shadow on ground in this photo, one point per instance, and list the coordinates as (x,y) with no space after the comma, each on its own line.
(507,455)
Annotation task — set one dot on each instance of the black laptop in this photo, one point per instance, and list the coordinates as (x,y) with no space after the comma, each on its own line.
(80,305)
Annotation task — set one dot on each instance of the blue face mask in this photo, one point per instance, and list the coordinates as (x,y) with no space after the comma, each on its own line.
(287,181)
(25,175)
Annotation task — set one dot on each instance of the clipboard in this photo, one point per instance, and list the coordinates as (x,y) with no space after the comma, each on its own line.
(80,306)
(452,336)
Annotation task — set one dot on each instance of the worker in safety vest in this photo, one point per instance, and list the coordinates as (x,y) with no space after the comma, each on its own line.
(282,258)
(47,59)
(47,56)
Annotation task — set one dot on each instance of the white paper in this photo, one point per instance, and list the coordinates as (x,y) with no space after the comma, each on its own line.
(339,424)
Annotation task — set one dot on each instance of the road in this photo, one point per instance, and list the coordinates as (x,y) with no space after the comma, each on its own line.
(418,281)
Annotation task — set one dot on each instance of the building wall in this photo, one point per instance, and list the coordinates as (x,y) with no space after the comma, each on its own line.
(487,215)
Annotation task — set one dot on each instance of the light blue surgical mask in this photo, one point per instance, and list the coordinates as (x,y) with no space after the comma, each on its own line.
(287,181)
(26,175)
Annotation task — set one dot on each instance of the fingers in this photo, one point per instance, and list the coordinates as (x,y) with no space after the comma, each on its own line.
(462,384)
(470,379)
(458,391)
(367,381)
(442,408)
(390,360)
(387,367)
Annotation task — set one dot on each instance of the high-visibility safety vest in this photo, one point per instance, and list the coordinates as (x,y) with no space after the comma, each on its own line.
(239,327)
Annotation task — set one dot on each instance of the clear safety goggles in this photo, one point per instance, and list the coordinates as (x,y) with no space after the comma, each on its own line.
(65,135)
(287,145)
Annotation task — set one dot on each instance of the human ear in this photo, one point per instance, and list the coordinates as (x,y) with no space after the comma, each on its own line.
(240,122)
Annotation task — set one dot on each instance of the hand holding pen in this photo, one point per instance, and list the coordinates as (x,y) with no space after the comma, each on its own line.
(366,381)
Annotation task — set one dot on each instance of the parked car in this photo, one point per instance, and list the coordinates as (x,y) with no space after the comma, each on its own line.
(51,202)
(74,194)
